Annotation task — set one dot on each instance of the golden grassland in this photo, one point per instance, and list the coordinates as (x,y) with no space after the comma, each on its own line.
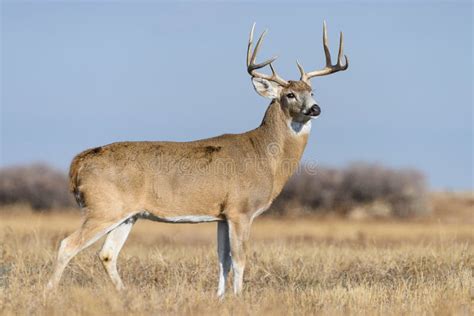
(296,266)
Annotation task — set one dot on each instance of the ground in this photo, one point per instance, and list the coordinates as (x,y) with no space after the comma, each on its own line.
(296,266)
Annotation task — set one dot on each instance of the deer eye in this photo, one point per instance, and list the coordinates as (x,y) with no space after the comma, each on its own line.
(290,96)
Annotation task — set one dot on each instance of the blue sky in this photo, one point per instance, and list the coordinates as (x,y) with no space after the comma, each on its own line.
(81,74)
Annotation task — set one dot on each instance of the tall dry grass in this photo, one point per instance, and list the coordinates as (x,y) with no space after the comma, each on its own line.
(295,267)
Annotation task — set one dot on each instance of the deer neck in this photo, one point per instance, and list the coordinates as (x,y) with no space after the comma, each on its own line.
(285,141)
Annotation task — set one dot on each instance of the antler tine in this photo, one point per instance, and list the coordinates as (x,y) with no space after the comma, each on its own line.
(302,72)
(341,53)
(252,56)
(341,48)
(249,47)
(330,68)
(257,47)
(326,45)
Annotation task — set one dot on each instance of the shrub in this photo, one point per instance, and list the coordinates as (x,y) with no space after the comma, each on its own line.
(38,185)
(359,185)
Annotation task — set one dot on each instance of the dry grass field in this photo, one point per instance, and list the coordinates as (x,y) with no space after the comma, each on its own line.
(296,267)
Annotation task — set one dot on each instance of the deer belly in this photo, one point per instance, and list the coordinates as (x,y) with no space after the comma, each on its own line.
(180,218)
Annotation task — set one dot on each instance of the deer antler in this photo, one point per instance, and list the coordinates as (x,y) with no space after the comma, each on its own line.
(330,68)
(252,66)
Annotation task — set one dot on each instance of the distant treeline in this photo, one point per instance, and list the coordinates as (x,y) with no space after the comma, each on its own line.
(358,190)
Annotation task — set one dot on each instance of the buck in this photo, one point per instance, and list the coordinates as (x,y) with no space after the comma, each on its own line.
(229,179)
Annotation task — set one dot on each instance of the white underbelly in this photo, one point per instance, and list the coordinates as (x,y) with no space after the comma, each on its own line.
(181,218)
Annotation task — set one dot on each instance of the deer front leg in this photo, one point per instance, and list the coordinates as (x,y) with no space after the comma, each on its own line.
(239,230)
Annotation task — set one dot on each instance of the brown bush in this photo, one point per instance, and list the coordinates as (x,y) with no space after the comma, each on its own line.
(359,184)
(37,185)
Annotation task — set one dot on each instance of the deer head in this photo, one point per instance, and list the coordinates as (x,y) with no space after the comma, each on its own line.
(295,96)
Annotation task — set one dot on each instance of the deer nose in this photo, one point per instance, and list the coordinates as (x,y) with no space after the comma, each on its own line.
(315,110)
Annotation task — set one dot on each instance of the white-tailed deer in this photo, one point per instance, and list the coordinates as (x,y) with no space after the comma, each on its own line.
(229,179)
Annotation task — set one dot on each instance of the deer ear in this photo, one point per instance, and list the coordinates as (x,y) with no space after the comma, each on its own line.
(266,88)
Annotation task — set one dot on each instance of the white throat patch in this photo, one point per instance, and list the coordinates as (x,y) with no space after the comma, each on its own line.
(300,128)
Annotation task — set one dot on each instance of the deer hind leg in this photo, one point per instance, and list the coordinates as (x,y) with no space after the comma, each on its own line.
(223,251)
(91,230)
(239,231)
(111,249)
